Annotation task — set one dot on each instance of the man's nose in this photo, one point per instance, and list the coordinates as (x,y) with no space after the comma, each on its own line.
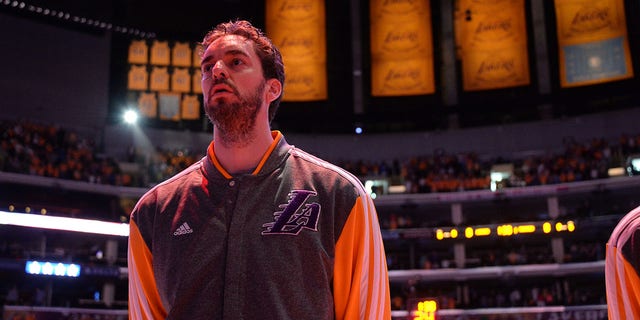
(219,70)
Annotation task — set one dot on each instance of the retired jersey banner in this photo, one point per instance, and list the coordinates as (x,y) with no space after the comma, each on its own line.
(148,104)
(401,48)
(190,107)
(159,79)
(491,40)
(181,54)
(160,53)
(137,78)
(195,61)
(592,41)
(169,105)
(297,28)
(196,81)
(138,52)
(181,80)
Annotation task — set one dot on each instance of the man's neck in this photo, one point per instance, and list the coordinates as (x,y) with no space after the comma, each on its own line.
(243,159)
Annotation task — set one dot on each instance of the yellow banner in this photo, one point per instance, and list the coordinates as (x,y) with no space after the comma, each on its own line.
(580,21)
(181,80)
(148,104)
(487,69)
(593,43)
(138,52)
(190,107)
(407,77)
(306,82)
(137,78)
(159,79)
(160,53)
(401,48)
(181,54)
(491,38)
(297,28)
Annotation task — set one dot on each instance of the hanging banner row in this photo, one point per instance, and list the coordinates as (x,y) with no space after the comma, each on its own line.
(490,36)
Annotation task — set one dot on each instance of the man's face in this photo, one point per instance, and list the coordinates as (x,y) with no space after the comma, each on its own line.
(232,85)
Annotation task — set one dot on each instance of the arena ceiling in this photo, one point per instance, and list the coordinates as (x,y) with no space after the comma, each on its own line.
(189,21)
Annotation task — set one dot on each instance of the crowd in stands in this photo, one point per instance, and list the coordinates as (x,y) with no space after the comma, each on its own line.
(52,151)
(443,172)
(496,254)
(502,293)
(164,164)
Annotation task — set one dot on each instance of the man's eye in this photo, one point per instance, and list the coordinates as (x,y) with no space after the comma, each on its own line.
(236,62)
(206,68)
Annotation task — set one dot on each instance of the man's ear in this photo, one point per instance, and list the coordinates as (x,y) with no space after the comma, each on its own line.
(274,89)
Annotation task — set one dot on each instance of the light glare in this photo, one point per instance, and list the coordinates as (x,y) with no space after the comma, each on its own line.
(130,116)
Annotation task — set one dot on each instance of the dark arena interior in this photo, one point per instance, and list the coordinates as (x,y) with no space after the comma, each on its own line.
(498,139)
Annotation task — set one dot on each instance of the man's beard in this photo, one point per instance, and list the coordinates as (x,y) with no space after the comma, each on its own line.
(235,121)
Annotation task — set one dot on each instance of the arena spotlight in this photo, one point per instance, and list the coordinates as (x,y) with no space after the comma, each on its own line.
(50,268)
(130,116)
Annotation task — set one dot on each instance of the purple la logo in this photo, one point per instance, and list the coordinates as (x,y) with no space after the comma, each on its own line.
(295,215)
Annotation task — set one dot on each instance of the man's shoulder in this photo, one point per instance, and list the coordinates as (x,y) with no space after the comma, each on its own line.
(181,181)
(626,228)
(326,168)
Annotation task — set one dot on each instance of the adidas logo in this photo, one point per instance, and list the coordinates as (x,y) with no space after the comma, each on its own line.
(184,229)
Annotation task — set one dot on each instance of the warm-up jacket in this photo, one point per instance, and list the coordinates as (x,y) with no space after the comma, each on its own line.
(298,238)
(622,268)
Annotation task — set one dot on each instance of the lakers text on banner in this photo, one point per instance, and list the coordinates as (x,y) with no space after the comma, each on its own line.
(401,48)
(492,43)
(593,45)
(297,28)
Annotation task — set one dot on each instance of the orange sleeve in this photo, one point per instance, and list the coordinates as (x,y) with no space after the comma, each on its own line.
(144,299)
(623,286)
(361,280)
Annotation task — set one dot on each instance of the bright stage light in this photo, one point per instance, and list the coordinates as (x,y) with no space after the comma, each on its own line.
(130,116)
(64,223)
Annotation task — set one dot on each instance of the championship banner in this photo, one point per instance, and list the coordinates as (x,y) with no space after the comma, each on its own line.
(159,79)
(181,80)
(181,54)
(138,52)
(137,79)
(160,53)
(593,45)
(190,107)
(401,48)
(297,28)
(169,105)
(491,38)
(148,104)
